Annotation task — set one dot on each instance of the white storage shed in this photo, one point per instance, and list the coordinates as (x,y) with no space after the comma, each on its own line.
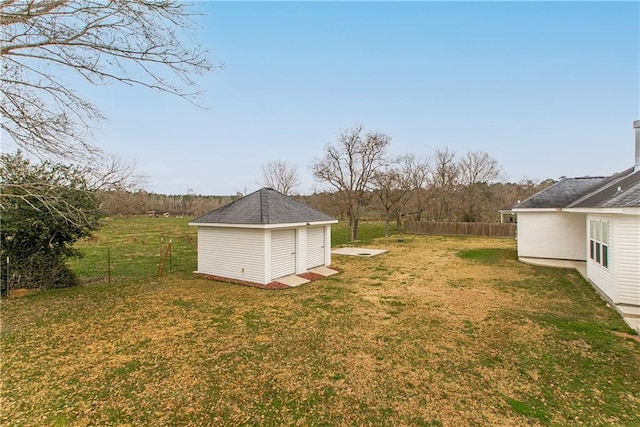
(261,237)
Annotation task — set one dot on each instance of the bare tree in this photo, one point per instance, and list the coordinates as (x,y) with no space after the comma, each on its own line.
(445,178)
(477,167)
(111,173)
(391,186)
(349,167)
(418,175)
(134,42)
(280,176)
(476,170)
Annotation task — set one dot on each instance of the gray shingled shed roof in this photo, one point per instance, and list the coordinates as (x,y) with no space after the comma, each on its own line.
(619,190)
(265,206)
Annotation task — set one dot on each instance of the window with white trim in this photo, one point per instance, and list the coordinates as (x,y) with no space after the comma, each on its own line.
(599,242)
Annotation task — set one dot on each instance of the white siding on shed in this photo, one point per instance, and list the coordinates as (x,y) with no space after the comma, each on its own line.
(627,258)
(232,252)
(315,246)
(556,235)
(283,253)
(301,255)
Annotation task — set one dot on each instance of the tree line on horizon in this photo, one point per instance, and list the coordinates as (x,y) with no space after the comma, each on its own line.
(440,187)
(498,195)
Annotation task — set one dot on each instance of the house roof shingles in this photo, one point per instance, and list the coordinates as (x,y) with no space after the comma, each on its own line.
(619,190)
(622,190)
(561,194)
(265,206)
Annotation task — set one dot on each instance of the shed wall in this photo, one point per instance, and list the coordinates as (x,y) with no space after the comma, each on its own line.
(315,246)
(235,253)
(557,235)
(327,245)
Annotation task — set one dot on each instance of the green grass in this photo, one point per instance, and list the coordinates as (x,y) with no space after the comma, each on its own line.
(367,232)
(487,255)
(133,245)
(438,331)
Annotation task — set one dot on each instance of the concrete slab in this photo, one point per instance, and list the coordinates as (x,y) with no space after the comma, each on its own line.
(324,271)
(292,280)
(581,266)
(363,252)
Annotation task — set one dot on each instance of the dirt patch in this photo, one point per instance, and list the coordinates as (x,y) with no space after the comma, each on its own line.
(310,276)
(275,285)
(17,293)
(626,335)
(270,286)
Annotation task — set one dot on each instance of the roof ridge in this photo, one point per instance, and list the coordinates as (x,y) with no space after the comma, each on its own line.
(609,181)
(264,206)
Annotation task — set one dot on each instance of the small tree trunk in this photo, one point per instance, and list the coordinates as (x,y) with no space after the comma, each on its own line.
(399,222)
(354,228)
(354,219)
(387,220)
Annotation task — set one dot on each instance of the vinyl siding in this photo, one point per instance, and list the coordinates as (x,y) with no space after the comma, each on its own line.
(232,252)
(301,255)
(315,246)
(627,268)
(557,235)
(327,245)
(283,252)
(603,278)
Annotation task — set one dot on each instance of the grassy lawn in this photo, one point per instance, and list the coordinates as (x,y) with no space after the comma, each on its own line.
(439,331)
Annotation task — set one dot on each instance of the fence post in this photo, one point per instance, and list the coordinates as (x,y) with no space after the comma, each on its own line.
(109,264)
(164,260)
(160,266)
(8,276)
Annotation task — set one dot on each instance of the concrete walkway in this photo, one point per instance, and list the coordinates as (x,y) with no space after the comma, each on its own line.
(581,266)
(294,280)
(324,271)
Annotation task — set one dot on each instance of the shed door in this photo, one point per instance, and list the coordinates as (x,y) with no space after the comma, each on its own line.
(283,253)
(315,247)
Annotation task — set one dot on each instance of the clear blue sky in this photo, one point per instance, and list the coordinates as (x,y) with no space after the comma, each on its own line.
(546,88)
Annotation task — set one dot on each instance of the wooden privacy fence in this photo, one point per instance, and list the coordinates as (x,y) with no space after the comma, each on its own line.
(482,229)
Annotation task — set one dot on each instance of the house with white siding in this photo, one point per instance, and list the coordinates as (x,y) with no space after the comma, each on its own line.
(262,237)
(594,221)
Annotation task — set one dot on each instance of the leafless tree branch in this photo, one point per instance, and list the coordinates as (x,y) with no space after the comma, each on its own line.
(280,176)
(133,42)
